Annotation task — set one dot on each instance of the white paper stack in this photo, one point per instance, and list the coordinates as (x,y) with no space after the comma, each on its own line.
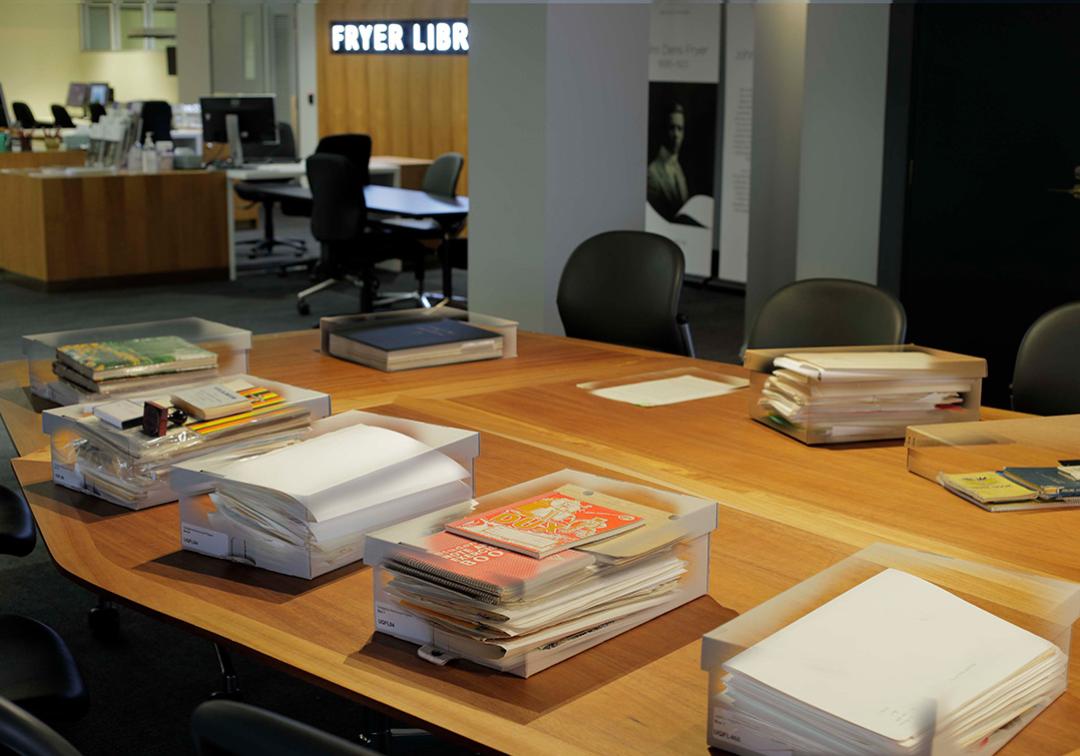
(848,395)
(895,665)
(304,509)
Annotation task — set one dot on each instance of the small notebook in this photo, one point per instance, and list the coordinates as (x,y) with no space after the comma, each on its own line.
(101,360)
(549,523)
(486,573)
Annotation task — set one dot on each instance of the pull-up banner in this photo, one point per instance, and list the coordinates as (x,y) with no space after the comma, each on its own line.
(684,72)
(414,36)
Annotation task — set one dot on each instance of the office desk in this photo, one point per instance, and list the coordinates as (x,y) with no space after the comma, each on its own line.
(389,170)
(787,512)
(90,226)
(448,212)
(42,159)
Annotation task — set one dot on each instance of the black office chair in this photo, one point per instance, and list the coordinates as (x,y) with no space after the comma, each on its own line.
(623,287)
(25,116)
(228,728)
(61,118)
(284,150)
(355,147)
(156,120)
(251,192)
(1045,377)
(828,312)
(440,178)
(97,110)
(24,734)
(37,670)
(339,221)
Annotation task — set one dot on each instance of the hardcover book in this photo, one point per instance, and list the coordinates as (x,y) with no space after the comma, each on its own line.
(549,523)
(102,360)
(414,344)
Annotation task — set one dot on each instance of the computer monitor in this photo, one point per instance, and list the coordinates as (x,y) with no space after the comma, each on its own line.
(254,113)
(99,94)
(78,94)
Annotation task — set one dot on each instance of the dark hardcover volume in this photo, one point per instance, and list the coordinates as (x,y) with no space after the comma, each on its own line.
(418,334)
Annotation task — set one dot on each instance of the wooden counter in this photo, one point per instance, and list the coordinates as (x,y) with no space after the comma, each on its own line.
(42,159)
(92,227)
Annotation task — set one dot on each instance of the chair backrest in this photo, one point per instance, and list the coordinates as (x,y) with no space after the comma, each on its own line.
(22,113)
(17,532)
(356,147)
(157,120)
(61,118)
(97,110)
(1045,377)
(25,734)
(285,148)
(828,312)
(229,728)
(623,287)
(338,212)
(442,175)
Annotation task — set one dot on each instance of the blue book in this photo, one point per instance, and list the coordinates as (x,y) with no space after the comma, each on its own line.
(1050,482)
(416,343)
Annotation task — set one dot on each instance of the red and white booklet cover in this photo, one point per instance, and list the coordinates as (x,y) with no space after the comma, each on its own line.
(549,523)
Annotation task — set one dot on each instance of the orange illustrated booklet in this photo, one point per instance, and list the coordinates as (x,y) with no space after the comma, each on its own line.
(548,523)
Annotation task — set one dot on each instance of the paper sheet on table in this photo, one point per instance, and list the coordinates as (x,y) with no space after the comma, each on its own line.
(683,388)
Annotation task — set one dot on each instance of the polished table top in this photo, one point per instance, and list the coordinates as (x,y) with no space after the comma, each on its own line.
(787,512)
(391,200)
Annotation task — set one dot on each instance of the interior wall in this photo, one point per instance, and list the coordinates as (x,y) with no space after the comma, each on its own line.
(410,105)
(39,52)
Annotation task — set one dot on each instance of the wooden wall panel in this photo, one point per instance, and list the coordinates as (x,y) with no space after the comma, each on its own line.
(42,159)
(411,105)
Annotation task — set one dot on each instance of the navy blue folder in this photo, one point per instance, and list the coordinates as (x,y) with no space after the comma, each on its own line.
(415,334)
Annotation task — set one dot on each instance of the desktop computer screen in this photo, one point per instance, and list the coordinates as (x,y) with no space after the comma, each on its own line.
(99,94)
(78,95)
(255,114)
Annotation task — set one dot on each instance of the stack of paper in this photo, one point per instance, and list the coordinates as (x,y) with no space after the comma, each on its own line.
(128,365)
(848,395)
(124,464)
(895,665)
(304,509)
(611,564)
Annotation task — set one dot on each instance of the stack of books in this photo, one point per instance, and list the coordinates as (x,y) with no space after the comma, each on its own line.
(125,366)
(860,395)
(304,509)
(1017,488)
(895,665)
(568,562)
(108,449)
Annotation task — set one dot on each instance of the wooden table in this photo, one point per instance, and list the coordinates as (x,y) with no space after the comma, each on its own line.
(787,512)
(88,227)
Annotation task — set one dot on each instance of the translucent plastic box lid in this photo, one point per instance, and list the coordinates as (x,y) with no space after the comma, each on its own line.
(1045,606)
(196,330)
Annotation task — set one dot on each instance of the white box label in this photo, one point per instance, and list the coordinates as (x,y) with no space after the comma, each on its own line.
(726,731)
(393,621)
(206,541)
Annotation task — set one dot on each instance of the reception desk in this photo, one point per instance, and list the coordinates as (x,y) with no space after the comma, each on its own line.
(68,229)
(42,158)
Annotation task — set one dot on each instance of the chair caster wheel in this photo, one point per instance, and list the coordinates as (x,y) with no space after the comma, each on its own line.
(303,308)
(104,622)
(227,695)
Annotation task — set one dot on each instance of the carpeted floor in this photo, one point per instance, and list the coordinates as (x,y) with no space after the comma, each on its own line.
(144,685)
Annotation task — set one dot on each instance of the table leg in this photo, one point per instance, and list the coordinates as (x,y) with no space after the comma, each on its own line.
(230,224)
(447,268)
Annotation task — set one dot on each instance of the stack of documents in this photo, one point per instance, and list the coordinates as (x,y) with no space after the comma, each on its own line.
(854,395)
(896,665)
(304,509)
(103,449)
(476,589)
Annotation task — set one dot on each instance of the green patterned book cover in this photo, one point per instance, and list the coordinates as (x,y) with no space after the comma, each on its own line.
(101,360)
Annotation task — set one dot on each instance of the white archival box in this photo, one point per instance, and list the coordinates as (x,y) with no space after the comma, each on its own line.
(697,517)
(341,538)
(63,425)
(1045,606)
